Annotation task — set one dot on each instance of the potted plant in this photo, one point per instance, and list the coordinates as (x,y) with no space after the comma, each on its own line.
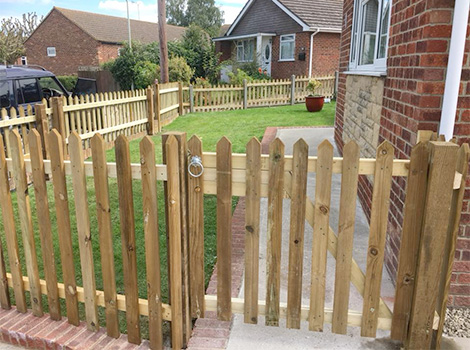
(314,102)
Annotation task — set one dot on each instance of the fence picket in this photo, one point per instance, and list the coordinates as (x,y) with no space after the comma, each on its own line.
(252,213)
(324,172)
(103,213)
(152,254)
(410,237)
(26,223)
(83,229)
(346,221)
(126,216)
(174,230)
(10,233)
(63,225)
(196,233)
(224,229)
(24,131)
(44,222)
(435,226)
(274,234)
(377,235)
(296,236)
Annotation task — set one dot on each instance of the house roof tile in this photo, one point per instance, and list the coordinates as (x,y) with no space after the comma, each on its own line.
(317,13)
(112,29)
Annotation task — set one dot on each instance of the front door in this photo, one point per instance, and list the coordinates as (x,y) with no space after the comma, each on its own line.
(266,54)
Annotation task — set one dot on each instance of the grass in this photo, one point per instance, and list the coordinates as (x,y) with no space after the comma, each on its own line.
(238,126)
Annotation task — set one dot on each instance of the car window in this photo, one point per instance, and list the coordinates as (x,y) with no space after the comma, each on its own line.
(28,91)
(49,83)
(5,94)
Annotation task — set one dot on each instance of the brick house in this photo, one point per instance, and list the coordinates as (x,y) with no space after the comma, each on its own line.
(67,39)
(286,37)
(395,56)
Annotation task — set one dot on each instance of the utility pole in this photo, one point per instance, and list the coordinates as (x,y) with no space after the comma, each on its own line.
(129,33)
(164,77)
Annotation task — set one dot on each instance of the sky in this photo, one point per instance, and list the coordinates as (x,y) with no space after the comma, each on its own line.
(145,9)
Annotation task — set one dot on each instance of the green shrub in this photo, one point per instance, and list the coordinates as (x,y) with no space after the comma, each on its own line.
(145,74)
(238,77)
(68,81)
(179,70)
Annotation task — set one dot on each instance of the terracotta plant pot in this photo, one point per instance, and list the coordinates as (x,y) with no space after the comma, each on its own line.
(314,103)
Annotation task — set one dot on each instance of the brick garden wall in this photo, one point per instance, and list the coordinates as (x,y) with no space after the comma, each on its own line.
(412,100)
(57,31)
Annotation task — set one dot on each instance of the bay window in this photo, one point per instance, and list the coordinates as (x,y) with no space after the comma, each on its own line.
(369,37)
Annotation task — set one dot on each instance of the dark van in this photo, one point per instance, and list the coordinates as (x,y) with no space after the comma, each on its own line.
(24,85)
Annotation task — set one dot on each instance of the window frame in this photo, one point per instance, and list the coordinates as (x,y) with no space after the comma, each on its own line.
(357,36)
(49,51)
(280,47)
(242,44)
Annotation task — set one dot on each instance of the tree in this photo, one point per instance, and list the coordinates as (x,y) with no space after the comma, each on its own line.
(175,12)
(13,34)
(199,51)
(203,13)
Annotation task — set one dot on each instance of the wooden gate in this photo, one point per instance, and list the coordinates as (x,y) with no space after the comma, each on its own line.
(435,174)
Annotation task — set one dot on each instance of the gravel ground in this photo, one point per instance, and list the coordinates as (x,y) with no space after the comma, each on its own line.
(457,323)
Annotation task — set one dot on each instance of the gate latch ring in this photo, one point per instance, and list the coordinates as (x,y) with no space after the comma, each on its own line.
(195,163)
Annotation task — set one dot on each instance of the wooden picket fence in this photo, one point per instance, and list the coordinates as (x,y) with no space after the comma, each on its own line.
(436,175)
(145,111)
(256,94)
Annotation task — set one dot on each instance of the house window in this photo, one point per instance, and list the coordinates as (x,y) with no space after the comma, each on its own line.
(287,47)
(369,39)
(24,60)
(51,51)
(245,50)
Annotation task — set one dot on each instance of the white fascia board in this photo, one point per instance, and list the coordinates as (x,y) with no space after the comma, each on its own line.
(325,30)
(246,36)
(304,26)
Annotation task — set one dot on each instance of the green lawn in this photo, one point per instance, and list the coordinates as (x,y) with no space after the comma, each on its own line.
(238,126)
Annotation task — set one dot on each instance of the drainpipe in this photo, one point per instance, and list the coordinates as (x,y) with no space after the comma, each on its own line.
(311,52)
(454,68)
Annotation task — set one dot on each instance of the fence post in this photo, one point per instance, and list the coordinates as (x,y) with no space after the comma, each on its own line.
(58,121)
(183,199)
(42,127)
(150,112)
(245,94)
(180,98)
(452,234)
(191,98)
(432,245)
(292,90)
(157,107)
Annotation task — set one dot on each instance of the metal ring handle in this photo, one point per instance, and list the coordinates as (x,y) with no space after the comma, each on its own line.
(196,162)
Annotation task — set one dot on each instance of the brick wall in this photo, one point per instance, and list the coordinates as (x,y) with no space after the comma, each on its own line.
(73,46)
(325,54)
(412,100)
(107,52)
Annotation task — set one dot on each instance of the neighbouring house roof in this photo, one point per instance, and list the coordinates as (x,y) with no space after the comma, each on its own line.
(111,29)
(224,29)
(312,15)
